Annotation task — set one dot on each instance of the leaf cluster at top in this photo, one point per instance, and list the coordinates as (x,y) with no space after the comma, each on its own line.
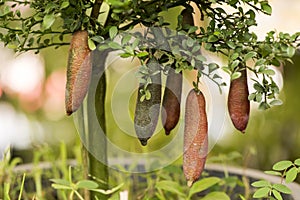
(227,33)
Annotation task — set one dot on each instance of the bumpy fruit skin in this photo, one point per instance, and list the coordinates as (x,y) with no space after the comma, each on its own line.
(195,136)
(78,71)
(147,111)
(238,103)
(170,112)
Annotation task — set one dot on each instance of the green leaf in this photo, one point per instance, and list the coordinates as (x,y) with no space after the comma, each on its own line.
(143,97)
(126,55)
(269,72)
(282,165)
(291,51)
(231,44)
(113,31)
(266,7)
(277,195)
(263,106)
(297,162)
(142,54)
(212,38)
(48,21)
(235,75)
(261,183)
(276,102)
(261,192)
(274,173)
(258,97)
(114,45)
(61,182)
(291,174)
(87,184)
(234,64)
(215,76)
(200,58)
(250,55)
(212,67)
(126,39)
(91,44)
(61,187)
(147,94)
(203,184)
(234,56)
(282,188)
(216,195)
(251,96)
(241,197)
(226,69)
(260,62)
(170,186)
(65,4)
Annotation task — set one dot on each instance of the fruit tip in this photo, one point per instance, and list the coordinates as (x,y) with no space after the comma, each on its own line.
(144,141)
(167,132)
(69,112)
(190,183)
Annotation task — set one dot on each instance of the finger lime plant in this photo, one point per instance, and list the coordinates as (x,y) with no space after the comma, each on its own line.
(97,27)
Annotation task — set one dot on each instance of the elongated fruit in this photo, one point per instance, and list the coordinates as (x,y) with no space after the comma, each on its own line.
(238,103)
(171,101)
(78,71)
(195,136)
(147,111)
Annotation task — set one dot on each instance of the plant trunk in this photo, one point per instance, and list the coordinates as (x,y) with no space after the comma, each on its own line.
(98,159)
(91,122)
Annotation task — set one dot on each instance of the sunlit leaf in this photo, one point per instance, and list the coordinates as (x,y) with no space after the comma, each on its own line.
(282,165)
(297,162)
(48,21)
(216,195)
(261,192)
(203,184)
(113,31)
(261,183)
(277,195)
(276,102)
(87,184)
(282,188)
(236,75)
(291,175)
(266,7)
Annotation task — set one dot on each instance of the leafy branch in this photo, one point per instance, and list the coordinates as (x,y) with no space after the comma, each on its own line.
(287,170)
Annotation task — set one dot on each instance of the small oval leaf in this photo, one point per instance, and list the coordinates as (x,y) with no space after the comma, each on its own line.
(297,162)
(203,184)
(282,165)
(87,184)
(291,175)
(277,195)
(261,192)
(261,183)
(236,75)
(282,188)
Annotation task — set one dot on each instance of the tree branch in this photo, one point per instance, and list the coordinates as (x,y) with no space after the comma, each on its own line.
(95,11)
